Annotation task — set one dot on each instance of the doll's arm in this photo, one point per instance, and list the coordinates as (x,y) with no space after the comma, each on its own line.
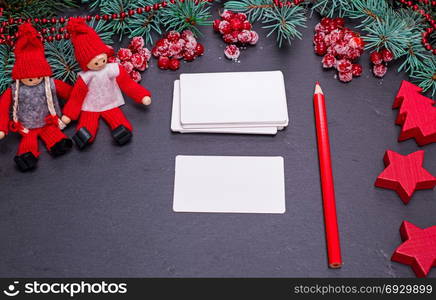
(5,105)
(74,104)
(131,88)
(63,89)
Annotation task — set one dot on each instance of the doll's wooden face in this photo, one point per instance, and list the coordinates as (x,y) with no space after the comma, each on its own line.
(31,81)
(98,62)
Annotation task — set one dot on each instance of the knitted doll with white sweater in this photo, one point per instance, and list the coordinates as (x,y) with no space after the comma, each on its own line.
(97,91)
(30,106)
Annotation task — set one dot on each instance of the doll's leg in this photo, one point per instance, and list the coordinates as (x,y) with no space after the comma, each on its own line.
(86,128)
(27,155)
(118,123)
(55,140)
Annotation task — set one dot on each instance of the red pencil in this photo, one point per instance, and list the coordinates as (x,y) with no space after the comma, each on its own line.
(327,184)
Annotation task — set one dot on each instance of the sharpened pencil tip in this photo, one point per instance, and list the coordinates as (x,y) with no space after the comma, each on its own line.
(318,89)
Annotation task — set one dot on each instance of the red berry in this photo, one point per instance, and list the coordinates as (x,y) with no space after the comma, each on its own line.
(246,25)
(356,42)
(339,22)
(379,70)
(244,37)
(216,25)
(163,62)
(330,27)
(387,55)
(173,36)
(189,56)
(320,48)
(224,27)
(232,52)
(328,61)
(356,70)
(174,64)
(254,37)
(240,16)
(326,21)
(345,77)
(318,37)
(376,58)
(227,15)
(199,49)
(344,66)
(229,38)
(235,24)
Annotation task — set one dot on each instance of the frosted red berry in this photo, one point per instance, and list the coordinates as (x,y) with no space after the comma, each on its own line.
(199,49)
(386,55)
(232,52)
(357,70)
(376,58)
(321,48)
(344,66)
(328,61)
(345,76)
(235,24)
(174,64)
(163,62)
(216,25)
(379,70)
(246,25)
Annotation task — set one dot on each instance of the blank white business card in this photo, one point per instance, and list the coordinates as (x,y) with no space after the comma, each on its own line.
(233,99)
(177,127)
(229,184)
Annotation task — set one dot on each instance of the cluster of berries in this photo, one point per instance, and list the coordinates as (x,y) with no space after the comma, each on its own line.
(380,60)
(339,46)
(236,32)
(175,46)
(134,58)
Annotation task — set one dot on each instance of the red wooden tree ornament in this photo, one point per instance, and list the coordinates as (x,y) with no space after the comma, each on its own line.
(418,249)
(405,174)
(417,114)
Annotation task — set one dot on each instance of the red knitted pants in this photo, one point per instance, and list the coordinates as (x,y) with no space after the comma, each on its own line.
(49,134)
(113,117)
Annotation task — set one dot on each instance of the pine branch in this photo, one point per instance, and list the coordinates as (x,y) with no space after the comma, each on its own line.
(391,33)
(186,15)
(120,25)
(426,77)
(415,57)
(60,56)
(36,8)
(332,8)
(255,9)
(147,23)
(284,22)
(6,64)
(368,11)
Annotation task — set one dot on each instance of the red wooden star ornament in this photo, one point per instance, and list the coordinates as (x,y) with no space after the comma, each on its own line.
(417,114)
(405,174)
(418,249)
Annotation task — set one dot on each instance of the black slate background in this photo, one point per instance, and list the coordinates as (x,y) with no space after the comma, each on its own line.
(107,211)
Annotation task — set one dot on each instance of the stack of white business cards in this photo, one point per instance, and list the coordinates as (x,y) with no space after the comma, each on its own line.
(237,102)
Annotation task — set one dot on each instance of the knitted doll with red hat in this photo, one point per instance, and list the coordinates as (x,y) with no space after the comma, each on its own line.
(30,106)
(97,91)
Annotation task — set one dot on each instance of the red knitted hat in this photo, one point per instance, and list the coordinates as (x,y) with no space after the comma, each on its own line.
(30,61)
(87,44)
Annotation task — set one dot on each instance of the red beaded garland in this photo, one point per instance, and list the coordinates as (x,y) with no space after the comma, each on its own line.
(9,39)
(428,18)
